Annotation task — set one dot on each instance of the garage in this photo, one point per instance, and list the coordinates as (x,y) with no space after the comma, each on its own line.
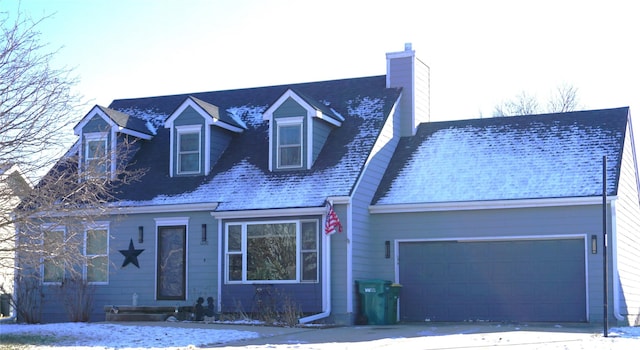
(541,280)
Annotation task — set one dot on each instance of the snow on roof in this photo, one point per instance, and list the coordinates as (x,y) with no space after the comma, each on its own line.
(527,157)
(240,179)
(153,119)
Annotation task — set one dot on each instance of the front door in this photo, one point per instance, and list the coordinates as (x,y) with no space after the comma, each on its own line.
(171,283)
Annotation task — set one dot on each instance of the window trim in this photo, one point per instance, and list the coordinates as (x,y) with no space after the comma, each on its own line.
(93,137)
(95,227)
(289,121)
(183,130)
(244,248)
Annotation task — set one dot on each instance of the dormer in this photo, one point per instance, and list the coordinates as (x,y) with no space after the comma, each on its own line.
(102,131)
(298,129)
(199,134)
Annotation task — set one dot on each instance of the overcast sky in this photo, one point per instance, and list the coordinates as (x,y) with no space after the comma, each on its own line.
(480,52)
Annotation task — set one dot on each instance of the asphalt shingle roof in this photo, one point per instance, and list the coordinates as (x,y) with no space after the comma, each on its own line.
(524,157)
(241,180)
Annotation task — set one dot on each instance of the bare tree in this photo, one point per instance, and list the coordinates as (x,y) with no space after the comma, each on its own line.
(46,232)
(37,104)
(522,104)
(563,99)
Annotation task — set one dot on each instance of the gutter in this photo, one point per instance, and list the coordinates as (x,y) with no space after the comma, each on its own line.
(326,289)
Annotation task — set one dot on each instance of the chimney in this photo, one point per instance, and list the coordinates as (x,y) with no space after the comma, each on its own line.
(406,71)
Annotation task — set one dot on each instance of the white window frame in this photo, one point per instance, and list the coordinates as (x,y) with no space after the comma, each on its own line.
(96,137)
(287,122)
(95,227)
(244,249)
(183,130)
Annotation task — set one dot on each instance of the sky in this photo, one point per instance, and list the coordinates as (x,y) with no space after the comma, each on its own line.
(129,336)
(480,53)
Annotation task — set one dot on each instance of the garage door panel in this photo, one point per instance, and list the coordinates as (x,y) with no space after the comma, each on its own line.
(524,280)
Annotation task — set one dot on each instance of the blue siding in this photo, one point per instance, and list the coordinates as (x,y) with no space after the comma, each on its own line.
(202,271)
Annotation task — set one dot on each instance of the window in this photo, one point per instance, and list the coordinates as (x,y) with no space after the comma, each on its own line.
(96,162)
(189,150)
(52,268)
(289,143)
(96,253)
(285,251)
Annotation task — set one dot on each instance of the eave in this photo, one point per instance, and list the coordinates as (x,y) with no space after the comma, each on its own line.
(486,205)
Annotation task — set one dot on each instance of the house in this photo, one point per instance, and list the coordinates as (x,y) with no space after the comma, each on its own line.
(492,219)
(13,186)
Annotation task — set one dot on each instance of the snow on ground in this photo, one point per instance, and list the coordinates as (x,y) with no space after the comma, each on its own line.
(86,336)
(115,336)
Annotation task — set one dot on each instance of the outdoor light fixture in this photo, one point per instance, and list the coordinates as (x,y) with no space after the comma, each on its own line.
(387,249)
(140,234)
(594,244)
(204,234)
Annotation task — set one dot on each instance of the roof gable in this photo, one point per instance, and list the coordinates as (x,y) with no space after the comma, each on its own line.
(525,157)
(209,113)
(313,107)
(119,121)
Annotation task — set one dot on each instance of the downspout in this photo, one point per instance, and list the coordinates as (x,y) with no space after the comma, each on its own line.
(614,262)
(326,282)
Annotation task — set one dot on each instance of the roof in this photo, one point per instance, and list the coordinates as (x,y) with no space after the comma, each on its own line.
(241,180)
(525,157)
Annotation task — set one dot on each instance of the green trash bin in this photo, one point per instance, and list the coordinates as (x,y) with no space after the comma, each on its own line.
(378,301)
(392,295)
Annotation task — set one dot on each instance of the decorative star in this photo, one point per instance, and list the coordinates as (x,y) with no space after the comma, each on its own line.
(131,255)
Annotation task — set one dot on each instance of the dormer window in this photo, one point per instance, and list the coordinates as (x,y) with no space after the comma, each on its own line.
(189,146)
(298,128)
(106,134)
(199,134)
(96,161)
(289,140)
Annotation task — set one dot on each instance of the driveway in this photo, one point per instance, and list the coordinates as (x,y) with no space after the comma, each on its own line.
(431,336)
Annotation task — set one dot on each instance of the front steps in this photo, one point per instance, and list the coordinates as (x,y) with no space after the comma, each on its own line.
(124,313)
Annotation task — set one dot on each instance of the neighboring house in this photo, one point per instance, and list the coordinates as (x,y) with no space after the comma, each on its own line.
(13,186)
(487,219)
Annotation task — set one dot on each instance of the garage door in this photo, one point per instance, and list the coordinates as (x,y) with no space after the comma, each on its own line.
(523,280)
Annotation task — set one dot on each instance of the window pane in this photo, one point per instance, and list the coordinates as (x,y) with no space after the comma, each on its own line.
(309,236)
(53,272)
(310,266)
(97,269)
(96,242)
(190,162)
(96,148)
(235,267)
(190,142)
(290,135)
(235,238)
(271,252)
(290,156)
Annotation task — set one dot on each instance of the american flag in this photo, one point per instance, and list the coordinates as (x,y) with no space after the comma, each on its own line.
(332,223)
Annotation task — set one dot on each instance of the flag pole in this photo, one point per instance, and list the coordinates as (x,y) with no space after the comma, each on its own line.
(604,244)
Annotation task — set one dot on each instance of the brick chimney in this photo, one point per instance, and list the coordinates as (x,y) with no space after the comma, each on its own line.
(406,71)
